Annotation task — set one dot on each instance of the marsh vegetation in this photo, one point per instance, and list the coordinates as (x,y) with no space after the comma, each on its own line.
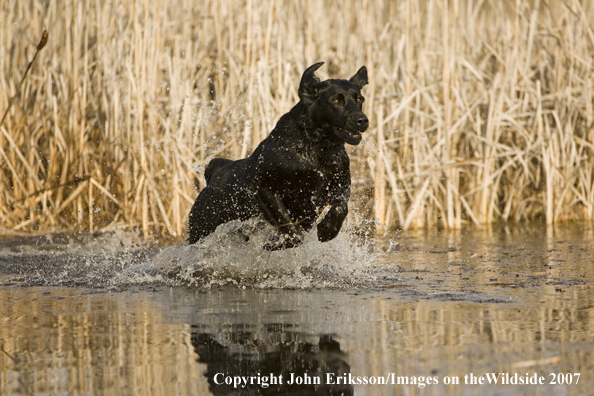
(480,111)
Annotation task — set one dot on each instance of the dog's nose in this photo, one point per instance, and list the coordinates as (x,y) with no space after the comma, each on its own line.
(362,122)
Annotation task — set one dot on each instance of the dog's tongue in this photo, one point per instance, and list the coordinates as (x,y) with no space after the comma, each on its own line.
(349,137)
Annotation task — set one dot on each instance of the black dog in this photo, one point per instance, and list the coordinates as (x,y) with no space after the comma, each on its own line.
(300,169)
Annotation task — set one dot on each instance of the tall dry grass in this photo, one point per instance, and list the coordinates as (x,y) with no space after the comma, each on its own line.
(480,110)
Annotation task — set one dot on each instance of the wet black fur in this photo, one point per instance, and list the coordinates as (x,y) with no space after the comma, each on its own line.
(296,172)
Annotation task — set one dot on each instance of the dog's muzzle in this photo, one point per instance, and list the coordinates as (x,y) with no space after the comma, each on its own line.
(352,135)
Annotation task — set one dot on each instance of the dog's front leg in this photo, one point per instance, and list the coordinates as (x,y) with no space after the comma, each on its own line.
(330,225)
(273,208)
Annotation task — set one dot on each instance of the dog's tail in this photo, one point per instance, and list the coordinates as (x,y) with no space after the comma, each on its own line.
(213,166)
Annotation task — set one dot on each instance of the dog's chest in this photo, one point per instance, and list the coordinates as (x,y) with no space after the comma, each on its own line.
(320,160)
(319,174)
(302,170)
(324,164)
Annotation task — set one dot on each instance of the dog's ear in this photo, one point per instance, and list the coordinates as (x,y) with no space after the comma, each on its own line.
(309,87)
(360,79)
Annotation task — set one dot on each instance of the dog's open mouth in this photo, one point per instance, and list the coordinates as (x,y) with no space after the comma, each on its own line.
(350,137)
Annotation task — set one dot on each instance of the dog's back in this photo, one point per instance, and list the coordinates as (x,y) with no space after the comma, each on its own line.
(213,166)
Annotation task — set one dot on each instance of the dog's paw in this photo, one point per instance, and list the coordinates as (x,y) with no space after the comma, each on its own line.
(244,236)
(285,243)
(284,238)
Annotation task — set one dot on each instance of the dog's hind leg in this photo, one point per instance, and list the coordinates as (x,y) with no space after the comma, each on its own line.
(206,215)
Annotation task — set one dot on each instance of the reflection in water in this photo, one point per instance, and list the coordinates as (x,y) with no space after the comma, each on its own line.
(514,301)
(285,365)
(62,341)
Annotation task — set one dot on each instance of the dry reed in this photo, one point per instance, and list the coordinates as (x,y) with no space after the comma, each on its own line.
(480,111)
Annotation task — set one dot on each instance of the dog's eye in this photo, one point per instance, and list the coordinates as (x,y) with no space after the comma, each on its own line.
(335,101)
(358,100)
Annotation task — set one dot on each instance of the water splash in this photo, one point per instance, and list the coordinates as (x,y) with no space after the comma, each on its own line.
(225,257)
(119,259)
(70,259)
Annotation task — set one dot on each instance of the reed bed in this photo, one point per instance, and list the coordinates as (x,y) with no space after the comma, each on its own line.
(481,110)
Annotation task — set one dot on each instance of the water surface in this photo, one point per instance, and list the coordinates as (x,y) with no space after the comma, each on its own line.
(104,314)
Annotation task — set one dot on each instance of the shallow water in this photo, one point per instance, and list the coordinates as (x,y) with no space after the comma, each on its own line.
(104,314)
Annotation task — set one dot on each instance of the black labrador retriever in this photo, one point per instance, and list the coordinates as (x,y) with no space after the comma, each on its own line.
(298,171)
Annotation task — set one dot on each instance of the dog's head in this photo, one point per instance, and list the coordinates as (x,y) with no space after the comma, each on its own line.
(336,105)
